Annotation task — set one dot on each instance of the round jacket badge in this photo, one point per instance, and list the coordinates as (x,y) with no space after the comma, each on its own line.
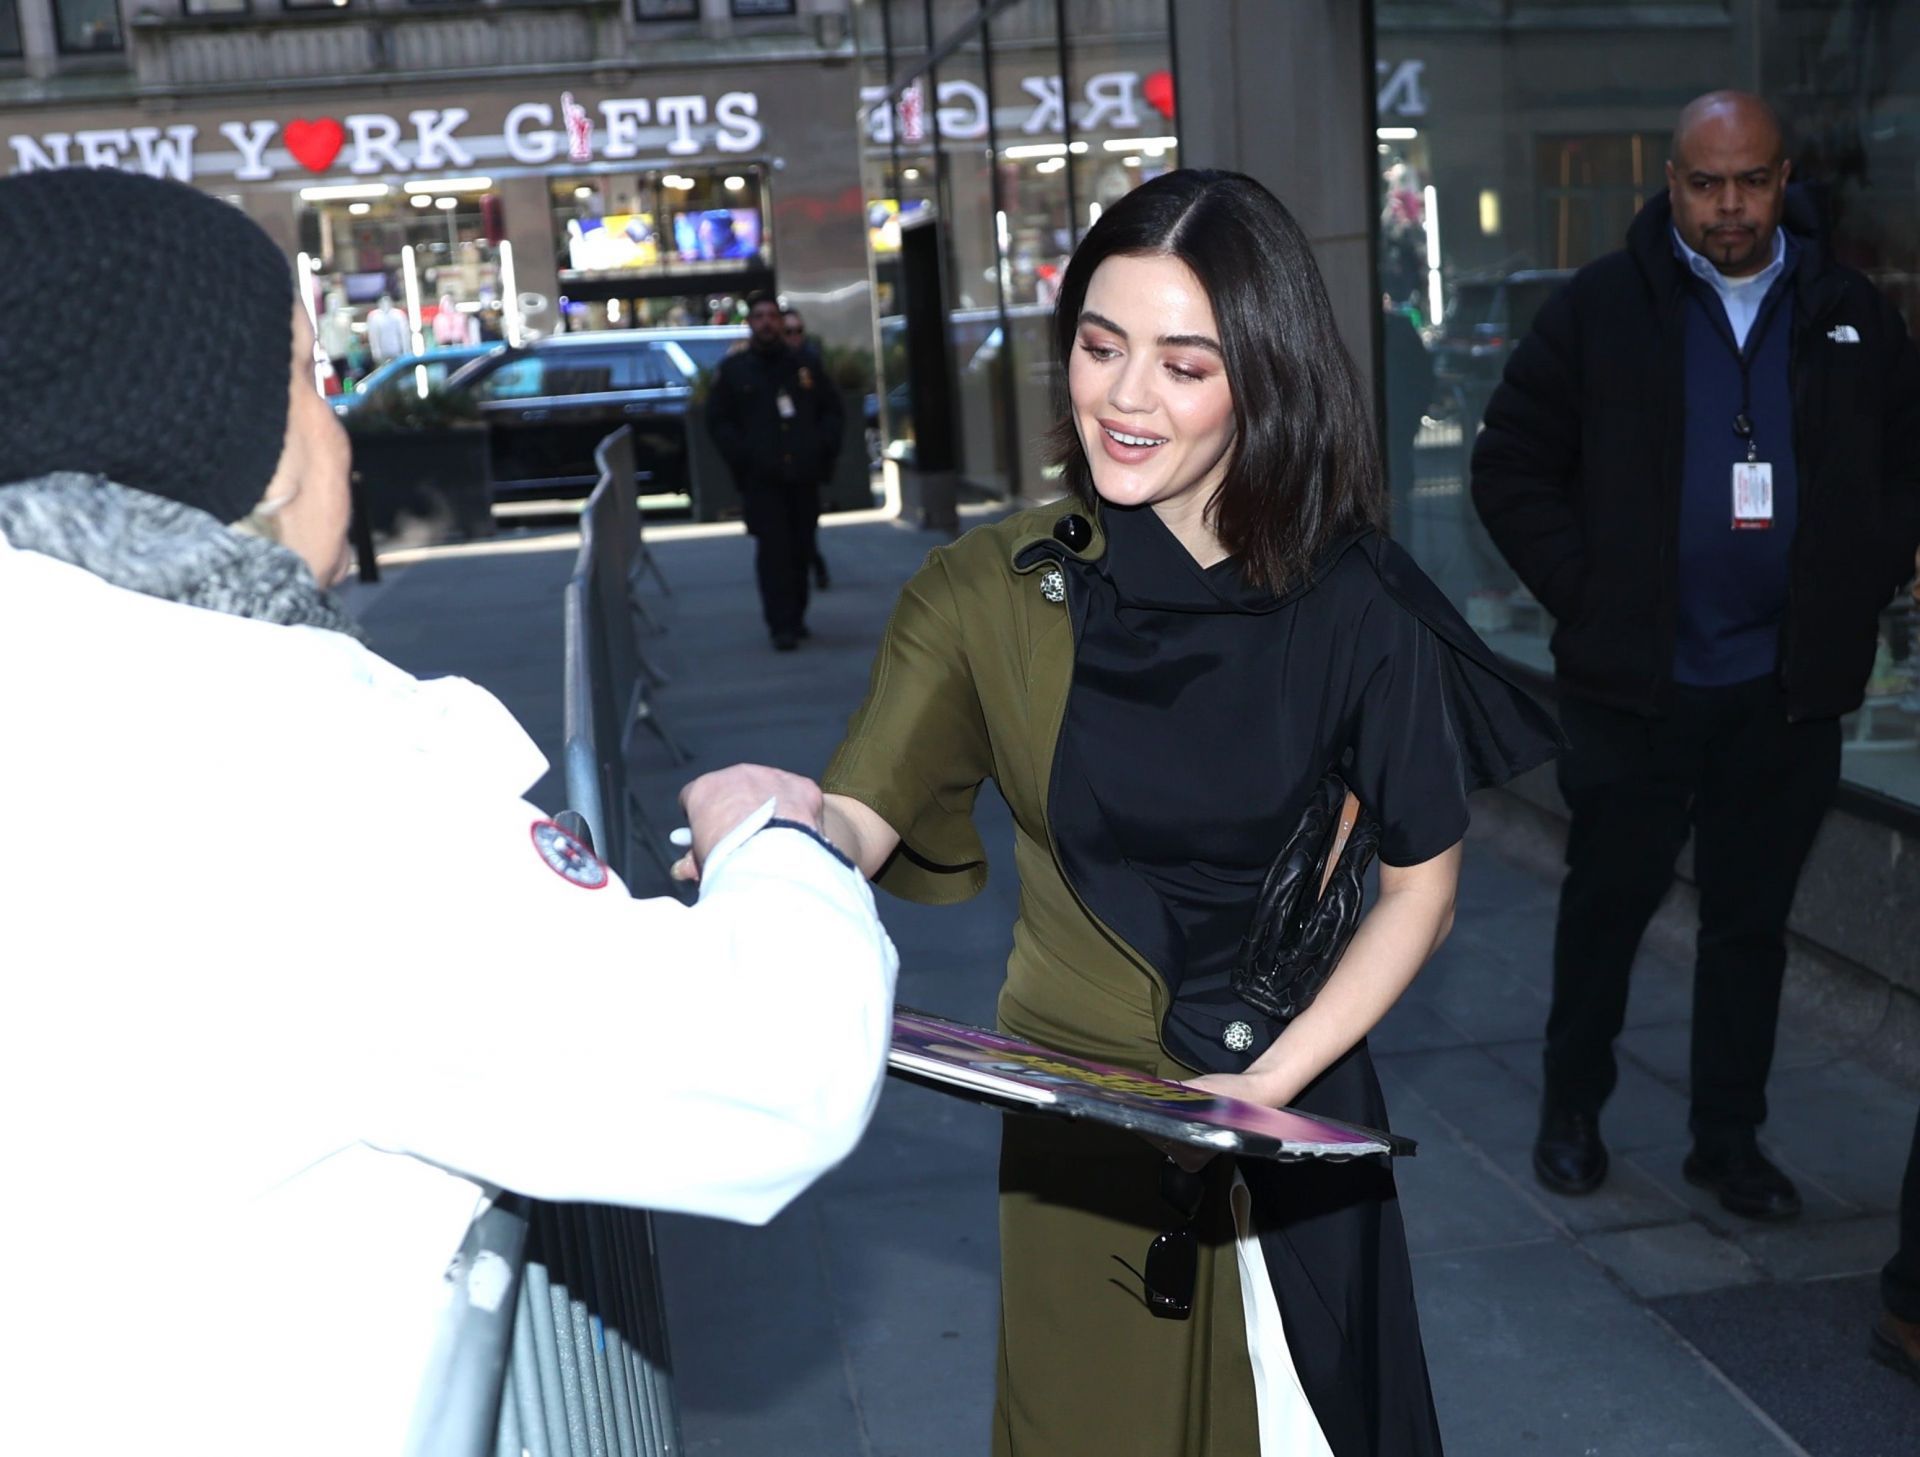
(567,858)
(1238,1036)
(1053,586)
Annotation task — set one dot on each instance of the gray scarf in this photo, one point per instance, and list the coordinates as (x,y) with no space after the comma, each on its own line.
(165,549)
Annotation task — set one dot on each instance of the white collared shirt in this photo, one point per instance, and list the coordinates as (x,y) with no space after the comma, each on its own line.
(1740,297)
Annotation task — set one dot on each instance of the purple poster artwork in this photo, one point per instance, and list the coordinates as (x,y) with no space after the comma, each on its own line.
(970,1062)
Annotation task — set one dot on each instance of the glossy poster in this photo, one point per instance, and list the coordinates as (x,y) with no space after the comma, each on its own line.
(970,1062)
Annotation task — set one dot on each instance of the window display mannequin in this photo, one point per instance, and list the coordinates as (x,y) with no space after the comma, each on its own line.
(336,332)
(388,334)
(451,327)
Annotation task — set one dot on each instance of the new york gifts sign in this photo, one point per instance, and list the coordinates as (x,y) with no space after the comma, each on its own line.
(429,139)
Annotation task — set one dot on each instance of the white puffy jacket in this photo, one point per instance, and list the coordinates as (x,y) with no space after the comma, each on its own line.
(286,985)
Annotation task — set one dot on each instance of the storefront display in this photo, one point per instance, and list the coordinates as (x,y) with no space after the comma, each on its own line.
(1008,161)
(502,211)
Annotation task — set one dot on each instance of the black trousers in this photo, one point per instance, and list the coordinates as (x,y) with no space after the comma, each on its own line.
(1900,1281)
(1753,788)
(783,520)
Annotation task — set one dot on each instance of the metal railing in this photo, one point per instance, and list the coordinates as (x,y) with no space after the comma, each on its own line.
(555,1339)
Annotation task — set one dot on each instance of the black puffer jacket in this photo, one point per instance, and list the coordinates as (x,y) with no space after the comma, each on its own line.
(1577,473)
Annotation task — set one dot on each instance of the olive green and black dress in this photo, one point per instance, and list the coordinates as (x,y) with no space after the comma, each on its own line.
(1156,729)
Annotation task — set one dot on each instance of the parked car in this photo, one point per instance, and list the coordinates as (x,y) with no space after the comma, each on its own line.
(548,404)
(1487,320)
(382,386)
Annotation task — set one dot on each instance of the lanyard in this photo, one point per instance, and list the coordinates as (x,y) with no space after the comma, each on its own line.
(1723,326)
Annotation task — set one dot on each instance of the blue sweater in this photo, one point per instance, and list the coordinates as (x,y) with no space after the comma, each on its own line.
(1733,584)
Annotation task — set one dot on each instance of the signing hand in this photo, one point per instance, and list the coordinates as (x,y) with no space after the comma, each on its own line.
(716,803)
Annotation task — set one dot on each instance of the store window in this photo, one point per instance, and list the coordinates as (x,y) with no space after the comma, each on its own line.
(666,9)
(218,7)
(1493,188)
(314,4)
(9,30)
(87,26)
(398,268)
(1038,115)
(661,247)
(753,9)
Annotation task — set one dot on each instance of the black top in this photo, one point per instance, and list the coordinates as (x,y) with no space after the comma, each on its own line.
(765,443)
(1204,711)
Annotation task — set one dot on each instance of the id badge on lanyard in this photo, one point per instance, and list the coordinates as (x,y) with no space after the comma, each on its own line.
(1752,495)
(1752,484)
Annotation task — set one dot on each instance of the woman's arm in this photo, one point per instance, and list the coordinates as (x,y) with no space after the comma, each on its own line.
(1393,941)
(863,837)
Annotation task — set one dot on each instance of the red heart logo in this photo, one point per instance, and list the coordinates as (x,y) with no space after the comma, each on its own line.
(1158,89)
(315,144)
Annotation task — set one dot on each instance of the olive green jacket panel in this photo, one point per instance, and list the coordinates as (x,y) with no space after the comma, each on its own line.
(970,681)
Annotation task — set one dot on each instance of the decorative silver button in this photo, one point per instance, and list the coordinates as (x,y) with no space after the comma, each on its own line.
(1053,586)
(1238,1036)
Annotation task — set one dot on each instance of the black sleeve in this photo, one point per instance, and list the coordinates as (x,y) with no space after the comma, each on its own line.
(1432,715)
(1526,460)
(723,418)
(1900,491)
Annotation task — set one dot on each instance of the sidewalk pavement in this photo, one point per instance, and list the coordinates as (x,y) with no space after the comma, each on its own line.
(1640,1320)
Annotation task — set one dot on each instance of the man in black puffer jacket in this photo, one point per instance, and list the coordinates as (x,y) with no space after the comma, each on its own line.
(1705,462)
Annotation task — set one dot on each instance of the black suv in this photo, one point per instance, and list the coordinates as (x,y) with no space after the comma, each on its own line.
(1489,317)
(549,403)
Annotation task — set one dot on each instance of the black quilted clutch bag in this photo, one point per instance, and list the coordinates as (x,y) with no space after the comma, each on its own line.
(1309,904)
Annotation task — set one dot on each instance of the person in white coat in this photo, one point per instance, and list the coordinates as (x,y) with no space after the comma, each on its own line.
(296,976)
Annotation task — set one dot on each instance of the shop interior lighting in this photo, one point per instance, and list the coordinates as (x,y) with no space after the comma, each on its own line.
(344,191)
(446,204)
(360,209)
(1129,161)
(1396,133)
(1034,149)
(411,274)
(1140,144)
(736,184)
(451,184)
(420,199)
(911,174)
(613,311)
(304,271)
(1489,212)
(510,294)
(1052,164)
(583,192)
(677,182)
(1431,208)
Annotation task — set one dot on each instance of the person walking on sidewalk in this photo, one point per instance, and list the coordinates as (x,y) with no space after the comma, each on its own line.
(775,417)
(1704,461)
(794,328)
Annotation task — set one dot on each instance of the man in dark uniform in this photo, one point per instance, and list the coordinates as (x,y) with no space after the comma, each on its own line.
(1704,460)
(775,418)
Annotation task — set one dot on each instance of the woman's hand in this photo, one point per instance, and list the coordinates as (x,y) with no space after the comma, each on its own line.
(1248,1087)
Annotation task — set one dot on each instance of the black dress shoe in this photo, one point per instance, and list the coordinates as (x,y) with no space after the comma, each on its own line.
(1568,1156)
(1742,1178)
(785,642)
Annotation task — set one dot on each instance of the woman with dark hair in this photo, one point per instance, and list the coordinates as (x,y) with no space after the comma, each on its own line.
(1158,672)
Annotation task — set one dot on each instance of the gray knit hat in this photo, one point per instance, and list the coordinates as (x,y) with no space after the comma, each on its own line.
(145,336)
